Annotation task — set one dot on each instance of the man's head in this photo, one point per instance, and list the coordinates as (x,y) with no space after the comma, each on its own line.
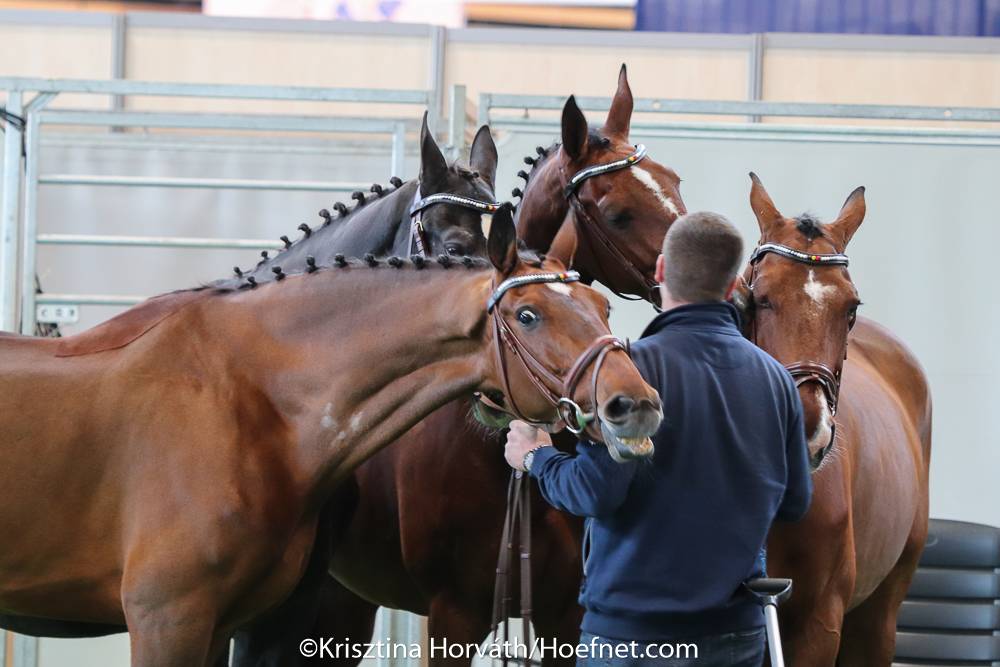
(701,255)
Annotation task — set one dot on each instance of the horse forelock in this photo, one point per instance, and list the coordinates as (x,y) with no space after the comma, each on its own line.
(809,226)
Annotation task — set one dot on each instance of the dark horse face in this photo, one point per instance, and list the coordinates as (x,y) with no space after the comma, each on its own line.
(455,230)
(801,313)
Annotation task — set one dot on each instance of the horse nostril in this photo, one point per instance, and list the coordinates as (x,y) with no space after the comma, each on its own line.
(618,408)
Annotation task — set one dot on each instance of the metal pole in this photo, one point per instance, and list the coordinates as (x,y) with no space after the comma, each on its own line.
(25,653)
(29,247)
(483,112)
(773,635)
(435,78)
(456,120)
(755,82)
(398,160)
(9,213)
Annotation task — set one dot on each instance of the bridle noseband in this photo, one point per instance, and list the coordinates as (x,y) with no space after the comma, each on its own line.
(573,416)
(583,217)
(805,371)
(418,235)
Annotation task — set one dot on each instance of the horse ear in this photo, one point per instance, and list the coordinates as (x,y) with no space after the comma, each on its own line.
(433,166)
(620,114)
(574,129)
(501,246)
(851,215)
(767,213)
(563,246)
(483,156)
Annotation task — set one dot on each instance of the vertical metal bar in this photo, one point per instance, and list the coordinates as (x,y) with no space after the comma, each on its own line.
(456,120)
(3,647)
(9,215)
(118,29)
(25,653)
(30,231)
(398,164)
(755,67)
(483,112)
(435,77)
(773,635)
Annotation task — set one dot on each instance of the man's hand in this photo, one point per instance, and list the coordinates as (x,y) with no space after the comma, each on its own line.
(521,439)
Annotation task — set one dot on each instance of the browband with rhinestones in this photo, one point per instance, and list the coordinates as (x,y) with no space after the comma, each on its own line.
(445,198)
(625,162)
(518,281)
(835,259)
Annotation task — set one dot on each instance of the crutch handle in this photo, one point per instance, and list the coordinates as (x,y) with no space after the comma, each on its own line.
(770,591)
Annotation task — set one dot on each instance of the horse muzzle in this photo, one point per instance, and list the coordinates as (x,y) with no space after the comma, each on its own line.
(627,427)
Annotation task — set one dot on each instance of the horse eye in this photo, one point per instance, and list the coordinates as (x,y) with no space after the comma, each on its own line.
(453,250)
(527,317)
(763,302)
(852,317)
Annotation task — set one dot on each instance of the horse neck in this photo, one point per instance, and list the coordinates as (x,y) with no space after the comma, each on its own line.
(543,207)
(379,227)
(345,391)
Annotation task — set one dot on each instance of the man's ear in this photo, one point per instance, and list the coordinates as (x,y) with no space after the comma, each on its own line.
(501,246)
(661,269)
(433,166)
(574,129)
(483,156)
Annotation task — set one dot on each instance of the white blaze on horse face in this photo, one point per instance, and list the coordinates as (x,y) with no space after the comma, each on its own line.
(327,421)
(816,290)
(356,423)
(562,288)
(647,179)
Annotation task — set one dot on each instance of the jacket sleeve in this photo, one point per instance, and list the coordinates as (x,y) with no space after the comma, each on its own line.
(798,490)
(588,484)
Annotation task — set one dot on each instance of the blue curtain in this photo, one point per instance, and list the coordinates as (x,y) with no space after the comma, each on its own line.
(885,17)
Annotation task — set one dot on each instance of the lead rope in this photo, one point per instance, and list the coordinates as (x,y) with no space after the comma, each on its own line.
(517,516)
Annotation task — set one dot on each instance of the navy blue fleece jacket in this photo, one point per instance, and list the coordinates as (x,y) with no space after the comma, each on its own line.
(669,541)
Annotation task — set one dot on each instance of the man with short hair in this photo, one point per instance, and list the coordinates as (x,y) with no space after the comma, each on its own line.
(669,542)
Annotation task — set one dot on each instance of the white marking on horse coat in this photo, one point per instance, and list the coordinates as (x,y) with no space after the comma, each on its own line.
(647,179)
(816,290)
(562,288)
(356,423)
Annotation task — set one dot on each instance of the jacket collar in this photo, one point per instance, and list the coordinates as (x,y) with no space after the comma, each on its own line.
(719,316)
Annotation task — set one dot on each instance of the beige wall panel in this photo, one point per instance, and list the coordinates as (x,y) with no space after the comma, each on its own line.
(290,59)
(557,70)
(882,77)
(57,52)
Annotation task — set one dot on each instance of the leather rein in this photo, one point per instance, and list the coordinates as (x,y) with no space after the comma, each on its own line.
(805,371)
(595,231)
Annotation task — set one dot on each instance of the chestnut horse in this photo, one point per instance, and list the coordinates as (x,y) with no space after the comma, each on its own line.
(180,454)
(852,557)
(435,553)
(378,223)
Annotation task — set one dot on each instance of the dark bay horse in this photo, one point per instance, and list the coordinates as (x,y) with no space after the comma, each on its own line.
(167,469)
(868,421)
(435,553)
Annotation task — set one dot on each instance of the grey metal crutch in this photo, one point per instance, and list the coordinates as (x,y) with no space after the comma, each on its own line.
(770,593)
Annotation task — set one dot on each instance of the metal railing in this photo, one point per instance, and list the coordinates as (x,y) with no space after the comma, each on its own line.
(18,300)
(533,113)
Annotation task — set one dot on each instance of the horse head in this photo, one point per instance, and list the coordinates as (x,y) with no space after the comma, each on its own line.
(555,352)
(799,303)
(599,187)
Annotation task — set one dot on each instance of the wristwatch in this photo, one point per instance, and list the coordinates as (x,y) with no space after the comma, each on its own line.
(529,457)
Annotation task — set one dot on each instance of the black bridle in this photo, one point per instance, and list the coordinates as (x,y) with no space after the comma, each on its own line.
(418,235)
(805,371)
(583,217)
